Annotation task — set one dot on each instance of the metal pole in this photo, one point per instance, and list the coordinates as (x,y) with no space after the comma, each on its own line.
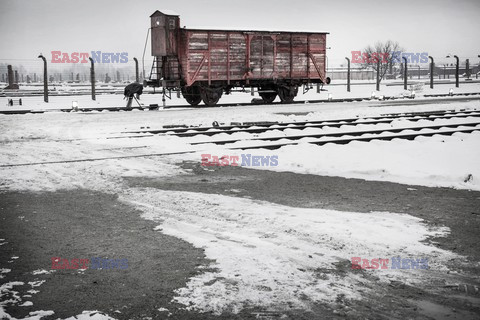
(467,69)
(137,79)
(456,71)
(405,74)
(432,64)
(476,73)
(348,75)
(45,79)
(11,78)
(378,74)
(92,77)
(143,57)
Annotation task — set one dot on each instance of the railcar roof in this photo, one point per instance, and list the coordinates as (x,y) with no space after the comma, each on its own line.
(166,12)
(253,31)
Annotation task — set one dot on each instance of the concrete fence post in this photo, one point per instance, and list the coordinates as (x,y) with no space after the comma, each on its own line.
(348,74)
(137,79)
(405,74)
(92,77)
(378,74)
(45,79)
(432,66)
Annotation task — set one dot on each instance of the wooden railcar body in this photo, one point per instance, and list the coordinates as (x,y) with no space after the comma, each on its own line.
(223,59)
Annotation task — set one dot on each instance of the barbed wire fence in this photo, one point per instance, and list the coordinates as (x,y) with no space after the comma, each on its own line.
(74,77)
(444,69)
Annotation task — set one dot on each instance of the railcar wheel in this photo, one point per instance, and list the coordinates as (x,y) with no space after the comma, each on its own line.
(210,96)
(287,93)
(268,97)
(192,95)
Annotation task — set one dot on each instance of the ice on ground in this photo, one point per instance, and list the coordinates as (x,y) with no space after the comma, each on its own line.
(8,296)
(276,256)
(33,315)
(33,291)
(42,271)
(34,284)
(165,310)
(91,315)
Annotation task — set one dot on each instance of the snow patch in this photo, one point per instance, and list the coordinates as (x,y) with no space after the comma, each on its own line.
(439,161)
(91,315)
(42,271)
(36,283)
(275,256)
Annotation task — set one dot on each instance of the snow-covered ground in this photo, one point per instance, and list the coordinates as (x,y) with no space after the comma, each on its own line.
(448,161)
(271,255)
(265,254)
(423,161)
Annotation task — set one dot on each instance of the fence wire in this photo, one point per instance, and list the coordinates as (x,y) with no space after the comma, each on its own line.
(31,71)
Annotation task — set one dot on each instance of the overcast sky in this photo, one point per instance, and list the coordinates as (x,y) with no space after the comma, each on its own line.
(438,27)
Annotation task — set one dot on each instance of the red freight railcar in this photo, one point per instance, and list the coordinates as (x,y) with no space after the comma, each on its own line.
(204,64)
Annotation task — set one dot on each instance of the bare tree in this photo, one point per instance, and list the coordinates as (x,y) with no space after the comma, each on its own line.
(387,53)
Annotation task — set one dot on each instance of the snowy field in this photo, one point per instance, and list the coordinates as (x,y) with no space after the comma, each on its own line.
(424,161)
(258,246)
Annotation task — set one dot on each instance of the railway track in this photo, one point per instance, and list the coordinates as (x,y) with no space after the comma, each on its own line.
(259,127)
(338,137)
(354,136)
(275,142)
(385,101)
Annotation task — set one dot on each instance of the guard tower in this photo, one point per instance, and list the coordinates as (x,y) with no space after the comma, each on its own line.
(165,32)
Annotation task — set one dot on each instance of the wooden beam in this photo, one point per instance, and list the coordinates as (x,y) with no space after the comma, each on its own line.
(209,61)
(228,58)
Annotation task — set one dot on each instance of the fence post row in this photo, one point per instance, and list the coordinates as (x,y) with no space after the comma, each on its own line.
(432,66)
(457,72)
(348,75)
(45,79)
(92,77)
